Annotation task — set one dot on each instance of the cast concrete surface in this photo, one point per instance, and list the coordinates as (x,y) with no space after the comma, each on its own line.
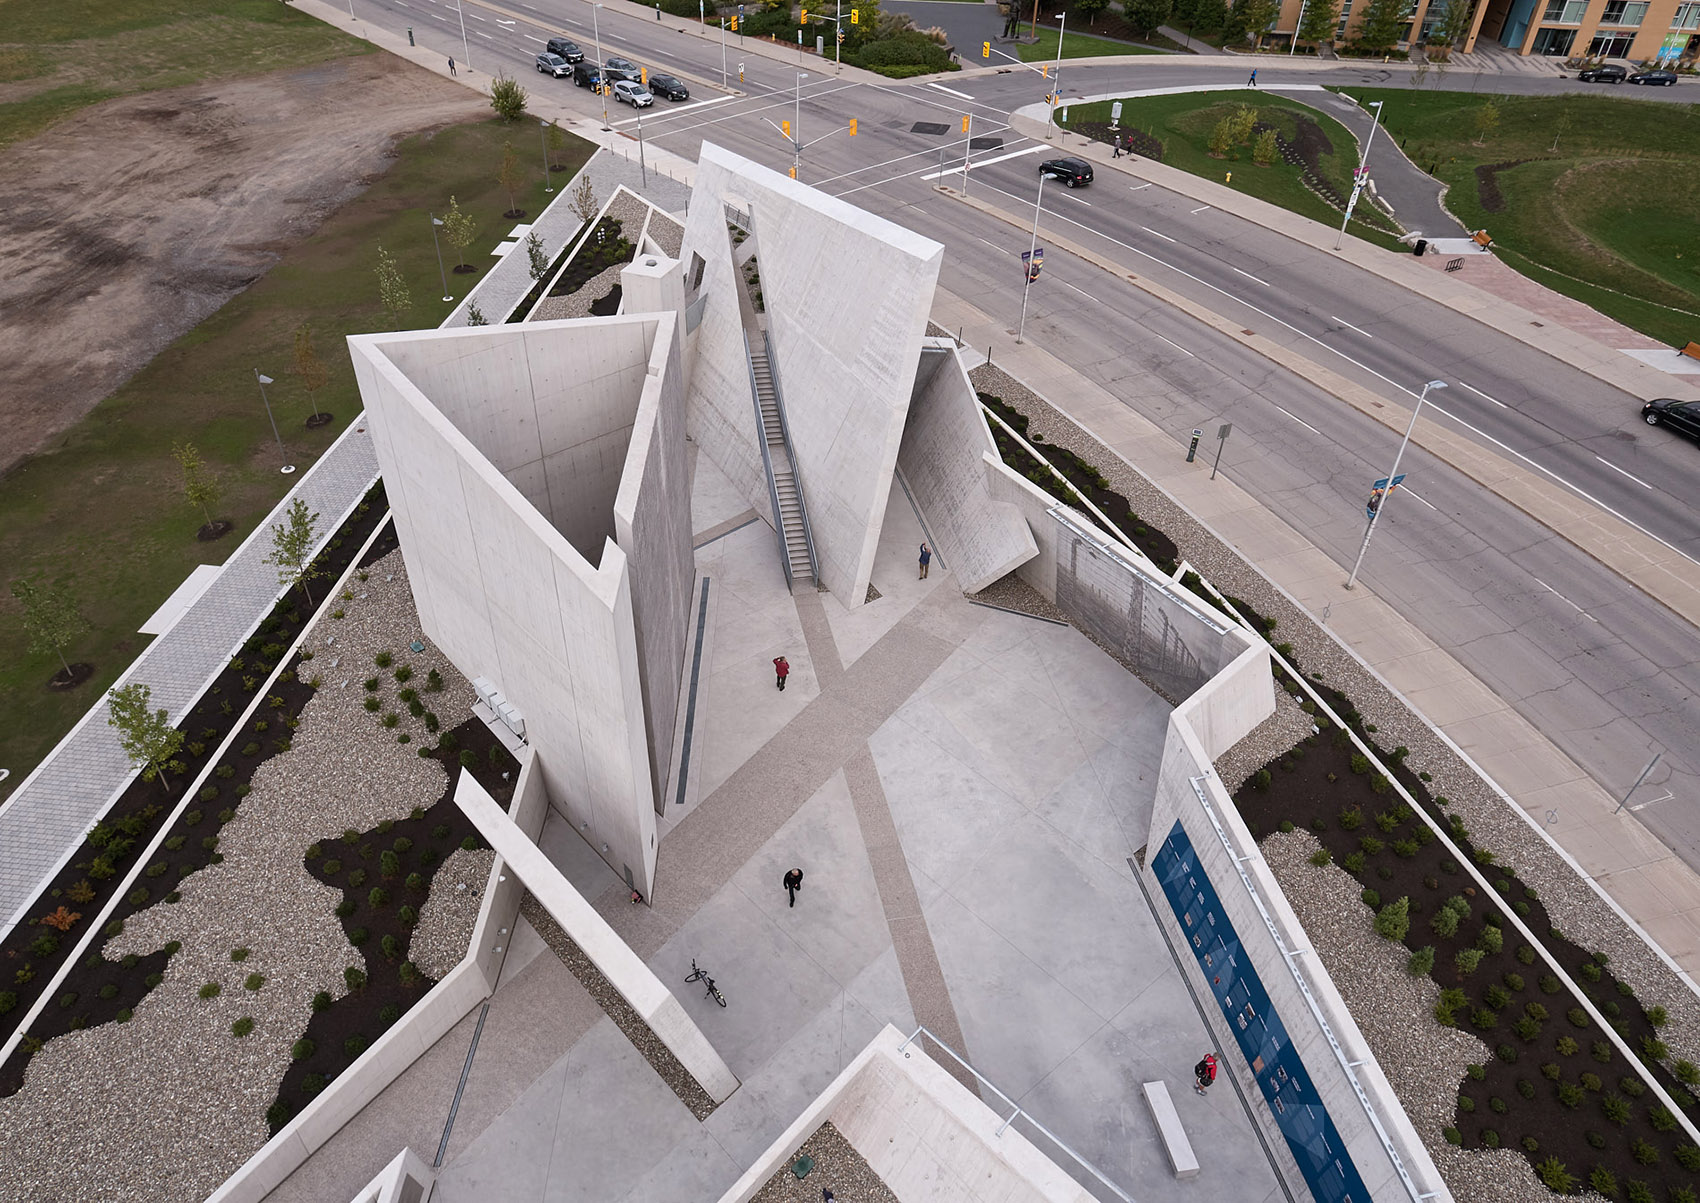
(998,771)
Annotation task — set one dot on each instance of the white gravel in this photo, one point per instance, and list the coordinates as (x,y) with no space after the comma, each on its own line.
(447,917)
(165,1107)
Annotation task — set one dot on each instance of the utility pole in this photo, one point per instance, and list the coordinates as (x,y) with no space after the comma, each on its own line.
(1360,175)
(1392,481)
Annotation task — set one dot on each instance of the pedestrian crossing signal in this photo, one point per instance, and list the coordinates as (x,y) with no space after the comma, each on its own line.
(985,50)
(852,127)
(841,37)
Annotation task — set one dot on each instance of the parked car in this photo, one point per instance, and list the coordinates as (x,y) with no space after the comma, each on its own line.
(624,65)
(1661,79)
(566,48)
(1611,73)
(1072,172)
(586,76)
(1680,416)
(554,64)
(635,95)
(668,86)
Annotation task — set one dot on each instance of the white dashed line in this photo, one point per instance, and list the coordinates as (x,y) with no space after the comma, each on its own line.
(1201,208)
(1163,236)
(1564,599)
(1349,326)
(1249,276)
(1631,475)
(1176,346)
(1482,395)
(1295,417)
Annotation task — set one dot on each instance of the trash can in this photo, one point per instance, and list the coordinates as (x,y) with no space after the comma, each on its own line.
(1420,247)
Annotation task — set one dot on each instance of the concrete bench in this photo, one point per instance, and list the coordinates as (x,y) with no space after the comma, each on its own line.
(1181,1157)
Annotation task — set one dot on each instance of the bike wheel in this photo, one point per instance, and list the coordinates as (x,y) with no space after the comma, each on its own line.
(718,997)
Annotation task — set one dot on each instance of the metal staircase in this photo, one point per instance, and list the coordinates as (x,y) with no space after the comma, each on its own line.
(784,485)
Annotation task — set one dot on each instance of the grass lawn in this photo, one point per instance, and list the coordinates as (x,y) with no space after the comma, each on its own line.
(1075,45)
(1602,205)
(103,512)
(1183,124)
(63,55)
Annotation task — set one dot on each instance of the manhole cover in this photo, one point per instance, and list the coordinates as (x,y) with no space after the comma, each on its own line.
(984,143)
(929,127)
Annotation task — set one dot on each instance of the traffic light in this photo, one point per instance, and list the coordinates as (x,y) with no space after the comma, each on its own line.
(804,19)
(985,50)
(643,76)
(786,127)
(734,23)
(841,37)
(855,16)
(1045,70)
(852,127)
(793,171)
(965,123)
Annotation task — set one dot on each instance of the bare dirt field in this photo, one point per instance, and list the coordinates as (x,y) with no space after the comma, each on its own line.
(124,226)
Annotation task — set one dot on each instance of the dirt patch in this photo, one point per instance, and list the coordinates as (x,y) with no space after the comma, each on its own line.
(130,223)
(1487,184)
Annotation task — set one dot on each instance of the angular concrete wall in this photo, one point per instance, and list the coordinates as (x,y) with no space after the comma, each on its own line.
(500,588)
(847,296)
(942,458)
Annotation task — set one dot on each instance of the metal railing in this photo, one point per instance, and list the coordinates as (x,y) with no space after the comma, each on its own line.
(767,461)
(1018,1112)
(796,472)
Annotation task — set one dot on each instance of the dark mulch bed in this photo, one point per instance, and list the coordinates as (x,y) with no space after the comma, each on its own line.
(1144,145)
(608,304)
(385,874)
(1083,476)
(215,530)
(70,677)
(32,954)
(316,420)
(1487,184)
(1555,1088)
(602,248)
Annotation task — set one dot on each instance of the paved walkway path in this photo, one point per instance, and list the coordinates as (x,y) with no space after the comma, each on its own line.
(47,816)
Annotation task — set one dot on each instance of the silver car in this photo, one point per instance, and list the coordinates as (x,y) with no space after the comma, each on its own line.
(554,64)
(635,95)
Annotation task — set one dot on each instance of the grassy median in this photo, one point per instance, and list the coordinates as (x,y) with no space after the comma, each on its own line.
(103,511)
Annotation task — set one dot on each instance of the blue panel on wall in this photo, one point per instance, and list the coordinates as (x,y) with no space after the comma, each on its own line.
(1262,1037)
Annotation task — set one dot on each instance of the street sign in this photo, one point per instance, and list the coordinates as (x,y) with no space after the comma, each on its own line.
(1226,429)
(1222,433)
(1384,482)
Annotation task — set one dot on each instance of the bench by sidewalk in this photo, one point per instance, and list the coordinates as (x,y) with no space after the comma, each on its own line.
(1181,1157)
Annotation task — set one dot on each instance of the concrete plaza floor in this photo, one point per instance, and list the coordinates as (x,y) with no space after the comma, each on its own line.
(1012,773)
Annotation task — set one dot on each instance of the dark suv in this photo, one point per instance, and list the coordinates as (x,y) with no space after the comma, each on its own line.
(566,49)
(1680,416)
(1611,73)
(668,86)
(586,76)
(1072,172)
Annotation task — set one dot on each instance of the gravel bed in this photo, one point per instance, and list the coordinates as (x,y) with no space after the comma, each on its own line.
(165,1107)
(1269,739)
(1492,821)
(578,302)
(1012,593)
(838,1167)
(450,911)
(660,1058)
(669,235)
(1424,1061)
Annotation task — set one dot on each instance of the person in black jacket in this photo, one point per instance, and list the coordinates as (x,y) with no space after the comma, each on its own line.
(793,883)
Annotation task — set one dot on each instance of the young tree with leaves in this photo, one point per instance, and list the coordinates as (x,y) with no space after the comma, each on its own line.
(537,255)
(393,293)
(314,375)
(584,200)
(458,231)
(1384,21)
(200,486)
(507,97)
(1147,15)
(292,548)
(1255,17)
(1486,120)
(147,736)
(1265,150)
(51,618)
(1454,26)
(475,315)
(510,177)
(1321,19)
(555,141)
(1088,9)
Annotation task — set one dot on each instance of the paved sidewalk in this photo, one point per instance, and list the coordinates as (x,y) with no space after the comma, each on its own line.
(46,818)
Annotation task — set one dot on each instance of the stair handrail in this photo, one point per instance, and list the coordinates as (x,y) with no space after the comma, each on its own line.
(791,451)
(767,460)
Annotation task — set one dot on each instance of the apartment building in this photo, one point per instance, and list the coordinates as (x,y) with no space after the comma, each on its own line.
(1639,30)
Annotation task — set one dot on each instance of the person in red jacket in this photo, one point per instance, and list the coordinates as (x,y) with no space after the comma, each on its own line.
(781,669)
(1205,1072)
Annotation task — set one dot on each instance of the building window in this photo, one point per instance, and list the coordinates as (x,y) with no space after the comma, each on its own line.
(1624,12)
(1565,12)
(1610,45)
(1345,19)
(1687,17)
(1554,43)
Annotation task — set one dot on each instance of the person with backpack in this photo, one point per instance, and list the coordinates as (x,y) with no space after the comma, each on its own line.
(1205,1073)
(781,669)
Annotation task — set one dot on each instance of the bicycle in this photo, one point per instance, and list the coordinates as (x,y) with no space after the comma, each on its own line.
(701,975)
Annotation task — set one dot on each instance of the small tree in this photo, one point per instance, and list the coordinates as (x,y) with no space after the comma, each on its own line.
(1455,24)
(539,257)
(292,547)
(51,617)
(475,315)
(510,177)
(1486,120)
(458,231)
(584,200)
(507,97)
(1147,15)
(1393,921)
(1321,19)
(1222,137)
(147,736)
(314,375)
(1265,151)
(1243,122)
(1255,17)
(555,141)
(200,486)
(1384,21)
(1088,9)
(393,293)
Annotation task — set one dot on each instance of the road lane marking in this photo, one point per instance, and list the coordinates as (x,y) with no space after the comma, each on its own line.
(1349,326)
(1081,291)
(1631,475)
(1175,345)
(952,91)
(1249,276)
(1417,496)
(1201,208)
(1295,417)
(1159,234)
(957,170)
(1138,188)
(1483,395)
(1563,599)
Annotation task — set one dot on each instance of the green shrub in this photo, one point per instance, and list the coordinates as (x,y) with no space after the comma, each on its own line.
(1466,960)
(211,990)
(301,1049)
(1590,971)
(1483,1019)
(403,675)
(253,981)
(1592,1082)
(239,954)
(1525,954)
(1549,984)
(356,878)
(1570,1094)
(1654,1048)
(1603,1181)
(1514,983)
(354,977)
(330,867)
(242,1027)
(1476,1072)
(1644,1151)
(1497,997)
(1638,1192)
(1351,818)
(1687,1073)
(345,908)
(108,991)
(389,864)
(1530,1144)
(415,881)
(1566,1046)
(1596,1140)
(1360,766)
(1657,1016)
(378,897)
(383,659)
(354,1046)
(1490,941)
(1660,1117)
(1526,1028)
(1490,1138)
(1371,845)
(1683,1194)
(1405,848)
(407,916)
(1497,1105)
(389,1014)
(1453,1136)
(1421,962)
(1371,898)
(1688,1157)
(409,974)
(1321,857)
(1616,1109)
(470,843)
(373,704)
(358,936)
(1551,1072)
(321,1000)
(1577,1016)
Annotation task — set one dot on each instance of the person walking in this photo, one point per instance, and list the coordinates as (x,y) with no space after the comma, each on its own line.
(1205,1073)
(1115,146)
(781,669)
(793,883)
(926,558)
(1252,82)
(451,64)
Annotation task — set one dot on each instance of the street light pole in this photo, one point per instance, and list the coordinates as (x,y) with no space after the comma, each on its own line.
(543,137)
(465,50)
(435,222)
(263,381)
(1057,72)
(1294,44)
(797,129)
(1392,475)
(1360,175)
(643,168)
(1032,246)
(601,68)
(723,54)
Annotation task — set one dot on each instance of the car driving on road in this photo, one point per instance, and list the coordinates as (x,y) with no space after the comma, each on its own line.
(1611,73)
(566,48)
(554,64)
(635,95)
(1072,172)
(586,76)
(616,69)
(1680,416)
(668,86)
(1658,79)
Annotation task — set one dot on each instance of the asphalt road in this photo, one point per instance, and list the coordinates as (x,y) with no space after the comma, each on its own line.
(1606,673)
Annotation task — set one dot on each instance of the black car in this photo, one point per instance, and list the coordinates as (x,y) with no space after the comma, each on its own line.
(1680,416)
(553,64)
(666,85)
(1611,73)
(1659,79)
(566,49)
(1072,172)
(586,76)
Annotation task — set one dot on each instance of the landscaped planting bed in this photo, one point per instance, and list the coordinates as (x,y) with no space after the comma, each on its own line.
(166,1104)
(34,952)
